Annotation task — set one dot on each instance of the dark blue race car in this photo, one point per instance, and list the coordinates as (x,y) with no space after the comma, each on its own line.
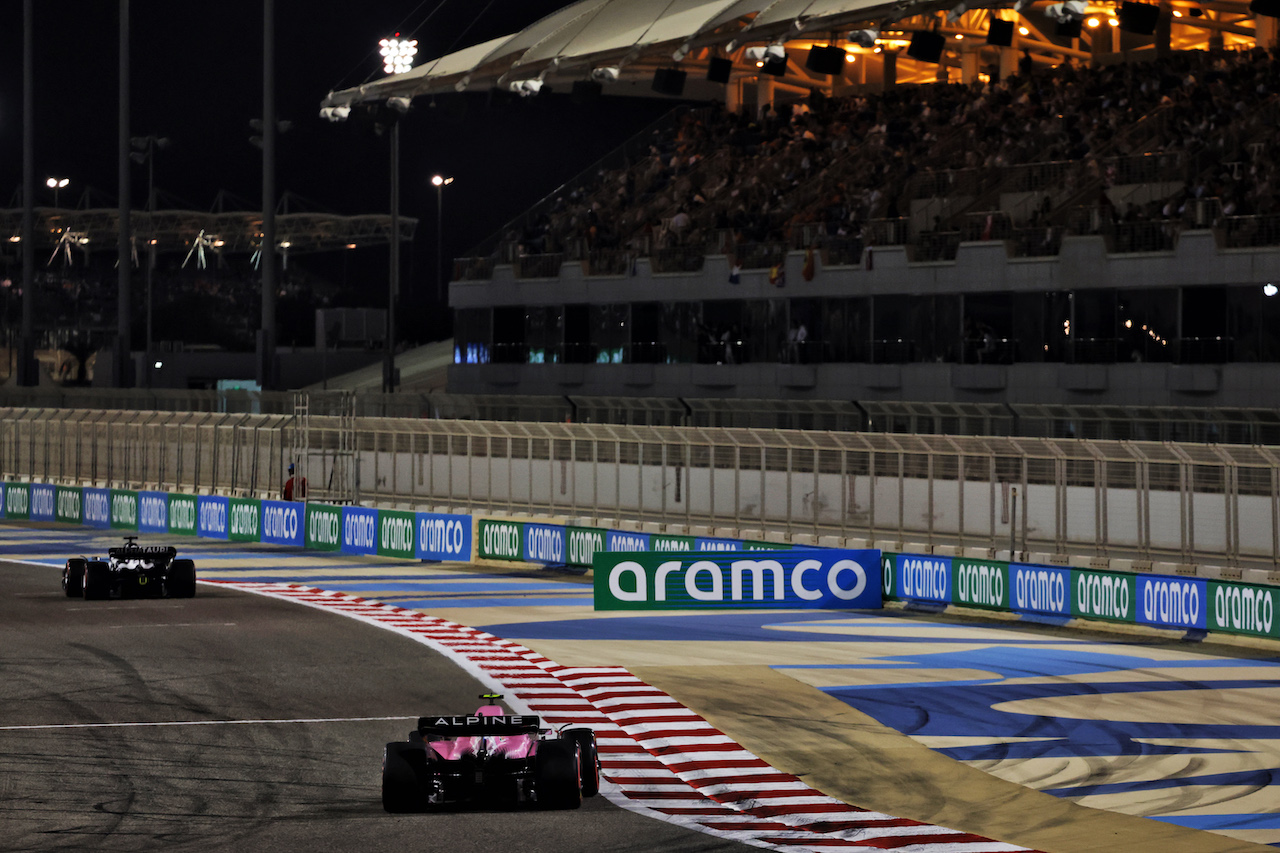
(131,571)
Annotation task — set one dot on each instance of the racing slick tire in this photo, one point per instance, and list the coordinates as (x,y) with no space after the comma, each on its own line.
(97,581)
(73,577)
(404,768)
(556,774)
(588,759)
(181,580)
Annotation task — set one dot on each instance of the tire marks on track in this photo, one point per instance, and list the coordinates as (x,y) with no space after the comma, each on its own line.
(661,758)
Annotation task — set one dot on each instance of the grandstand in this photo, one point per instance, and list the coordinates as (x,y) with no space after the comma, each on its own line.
(1082,216)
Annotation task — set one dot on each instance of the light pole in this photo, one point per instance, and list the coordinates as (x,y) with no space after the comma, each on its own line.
(397,57)
(144,151)
(440,182)
(56,184)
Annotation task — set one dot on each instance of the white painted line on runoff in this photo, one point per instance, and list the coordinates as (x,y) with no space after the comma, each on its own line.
(143,724)
(659,758)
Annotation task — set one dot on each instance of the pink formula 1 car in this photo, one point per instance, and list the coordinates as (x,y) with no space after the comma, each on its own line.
(490,756)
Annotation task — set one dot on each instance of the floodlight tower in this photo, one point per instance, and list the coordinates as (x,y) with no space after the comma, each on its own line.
(397,58)
(440,182)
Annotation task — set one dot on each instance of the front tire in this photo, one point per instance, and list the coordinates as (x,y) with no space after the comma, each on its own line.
(404,768)
(97,581)
(73,577)
(558,778)
(181,580)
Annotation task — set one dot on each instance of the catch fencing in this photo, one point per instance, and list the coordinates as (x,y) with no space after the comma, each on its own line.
(1190,502)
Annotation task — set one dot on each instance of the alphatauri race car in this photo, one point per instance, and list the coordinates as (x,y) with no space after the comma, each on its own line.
(131,571)
(489,757)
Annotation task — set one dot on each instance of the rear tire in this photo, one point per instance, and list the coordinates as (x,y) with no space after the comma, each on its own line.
(404,767)
(97,581)
(181,581)
(73,577)
(556,770)
(588,759)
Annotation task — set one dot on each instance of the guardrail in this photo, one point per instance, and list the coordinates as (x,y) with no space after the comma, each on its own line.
(1189,502)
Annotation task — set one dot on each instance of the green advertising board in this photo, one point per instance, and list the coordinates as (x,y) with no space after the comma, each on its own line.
(244,519)
(980,583)
(755,545)
(501,540)
(182,514)
(324,527)
(68,507)
(819,578)
(1238,608)
(1104,595)
(17,500)
(124,509)
(667,542)
(582,544)
(395,534)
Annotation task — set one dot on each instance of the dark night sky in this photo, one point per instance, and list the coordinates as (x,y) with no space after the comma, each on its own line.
(197,78)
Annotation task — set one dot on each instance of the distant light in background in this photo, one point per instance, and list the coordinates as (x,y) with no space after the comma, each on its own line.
(1269,289)
(56,184)
(1024,31)
(397,54)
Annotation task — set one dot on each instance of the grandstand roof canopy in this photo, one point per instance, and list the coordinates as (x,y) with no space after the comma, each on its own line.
(636,37)
(189,230)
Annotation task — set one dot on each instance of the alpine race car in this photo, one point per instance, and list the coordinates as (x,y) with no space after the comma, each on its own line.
(489,757)
(131,571)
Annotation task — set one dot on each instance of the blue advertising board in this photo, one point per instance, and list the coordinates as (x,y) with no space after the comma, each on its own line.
(1172,602)
(284,523)
(43,502)
(359,530)
(443,537)
(922,578)
(211,516)
(153,512)
(1039,589)
(97,507)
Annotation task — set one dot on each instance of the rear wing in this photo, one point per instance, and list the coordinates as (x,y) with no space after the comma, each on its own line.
(508,724)
(143,552)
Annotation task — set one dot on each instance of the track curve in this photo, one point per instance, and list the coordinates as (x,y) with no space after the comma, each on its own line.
(236,722)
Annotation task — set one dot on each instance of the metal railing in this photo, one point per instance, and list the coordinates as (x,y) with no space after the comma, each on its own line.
(1195,502)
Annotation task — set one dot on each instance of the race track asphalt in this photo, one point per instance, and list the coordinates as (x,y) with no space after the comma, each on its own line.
(234,722)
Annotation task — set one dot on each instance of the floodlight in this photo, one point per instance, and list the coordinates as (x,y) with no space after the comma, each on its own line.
(397,54)
(1270,289)
(400,105)
(606,74)
(864,38)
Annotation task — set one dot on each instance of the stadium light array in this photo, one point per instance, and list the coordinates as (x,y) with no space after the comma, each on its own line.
(397,54)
